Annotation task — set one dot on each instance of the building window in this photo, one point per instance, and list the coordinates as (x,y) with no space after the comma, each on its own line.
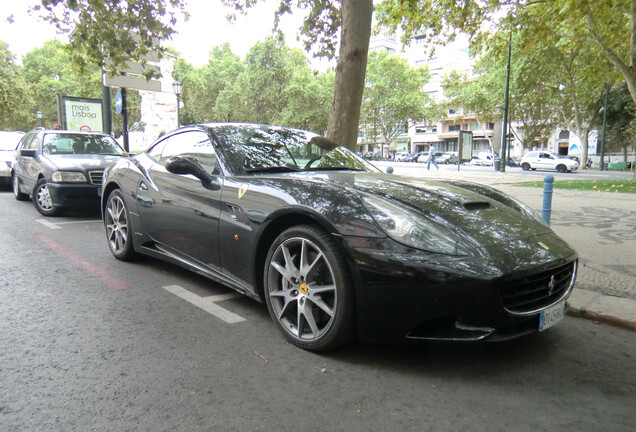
(453,128)
(563,135)
(490,126)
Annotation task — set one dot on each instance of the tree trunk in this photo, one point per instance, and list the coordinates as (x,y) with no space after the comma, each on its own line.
(584,147)
(351,67)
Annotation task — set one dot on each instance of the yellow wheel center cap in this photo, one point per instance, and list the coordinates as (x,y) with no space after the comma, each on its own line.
(303,288)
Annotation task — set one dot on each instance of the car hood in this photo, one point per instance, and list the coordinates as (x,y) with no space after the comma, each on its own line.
(476,211)
(82,162)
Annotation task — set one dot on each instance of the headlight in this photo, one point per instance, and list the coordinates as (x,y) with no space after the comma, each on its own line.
(68,177)
(411,229)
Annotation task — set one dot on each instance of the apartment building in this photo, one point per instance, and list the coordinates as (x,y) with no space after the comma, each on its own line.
(444,133)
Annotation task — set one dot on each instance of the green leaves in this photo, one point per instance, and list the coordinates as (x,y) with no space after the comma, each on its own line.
(394,96)
(273,84)
(17,110)
(109,34)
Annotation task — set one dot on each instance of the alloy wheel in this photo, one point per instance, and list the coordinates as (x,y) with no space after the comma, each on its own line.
(44,198)
(302,289)
(116,220)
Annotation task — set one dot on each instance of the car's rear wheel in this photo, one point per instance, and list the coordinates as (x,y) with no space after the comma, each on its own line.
(525,166)
(561,168)
(15,182)
(118,229)
(308,289)
(42,200)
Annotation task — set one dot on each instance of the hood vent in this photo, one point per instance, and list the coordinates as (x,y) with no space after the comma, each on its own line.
(473,206)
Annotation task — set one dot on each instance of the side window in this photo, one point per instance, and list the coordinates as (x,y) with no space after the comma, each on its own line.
(29,142)
(195,144)
(155,151)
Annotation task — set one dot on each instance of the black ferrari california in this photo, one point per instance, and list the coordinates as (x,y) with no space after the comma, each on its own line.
(336,248)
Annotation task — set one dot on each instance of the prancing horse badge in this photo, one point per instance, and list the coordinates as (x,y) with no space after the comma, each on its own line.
(242,190)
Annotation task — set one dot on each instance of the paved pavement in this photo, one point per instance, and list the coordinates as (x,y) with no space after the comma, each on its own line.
(601,226)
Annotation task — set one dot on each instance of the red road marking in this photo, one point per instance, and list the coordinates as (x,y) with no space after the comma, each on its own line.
(97,272)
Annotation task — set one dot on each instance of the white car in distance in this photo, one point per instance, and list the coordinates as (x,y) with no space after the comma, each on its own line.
(544,160)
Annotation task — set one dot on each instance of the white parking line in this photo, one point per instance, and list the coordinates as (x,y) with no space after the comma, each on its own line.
(80,222)
(48,224)
(56,225)
(208,303)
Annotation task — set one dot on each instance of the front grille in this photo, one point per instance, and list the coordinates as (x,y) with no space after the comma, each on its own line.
(96,177)
(535,292)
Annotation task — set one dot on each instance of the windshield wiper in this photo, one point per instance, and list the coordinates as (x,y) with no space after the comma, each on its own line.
(271,169)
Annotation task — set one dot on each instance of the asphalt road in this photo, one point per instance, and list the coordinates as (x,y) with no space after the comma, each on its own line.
(91,343)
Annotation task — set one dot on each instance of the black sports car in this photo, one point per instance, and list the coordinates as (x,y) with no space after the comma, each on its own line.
(333,246)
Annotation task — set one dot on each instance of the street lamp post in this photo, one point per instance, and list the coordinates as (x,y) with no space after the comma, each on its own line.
(176,87)
(38,113)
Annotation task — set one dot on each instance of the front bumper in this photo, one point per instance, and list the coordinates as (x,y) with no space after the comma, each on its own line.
(74,195)
(407,295)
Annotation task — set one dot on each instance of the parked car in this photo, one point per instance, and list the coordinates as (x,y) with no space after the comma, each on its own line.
(423,158)
(545,160)
(414,157)
(514,162)
(401,156)
(486,160)
(62,169)
(9,141)
(448,158)
(333,246)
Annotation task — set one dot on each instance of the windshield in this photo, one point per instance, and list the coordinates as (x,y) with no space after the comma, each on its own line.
(70,143)
(260,149)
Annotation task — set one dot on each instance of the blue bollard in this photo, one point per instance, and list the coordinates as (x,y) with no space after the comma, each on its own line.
(548,186)
(389,170)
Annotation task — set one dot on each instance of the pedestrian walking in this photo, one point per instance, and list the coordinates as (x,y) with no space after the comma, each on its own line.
(431,158)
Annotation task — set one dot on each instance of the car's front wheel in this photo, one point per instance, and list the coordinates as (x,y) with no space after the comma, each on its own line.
(308,289)
(525,166)
(42,200)
(561,168)
(118,229)
(15,182)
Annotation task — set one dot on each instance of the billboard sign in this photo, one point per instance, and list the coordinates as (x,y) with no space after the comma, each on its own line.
(81,114)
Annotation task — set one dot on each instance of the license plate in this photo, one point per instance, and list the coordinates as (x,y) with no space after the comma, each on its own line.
(551,316)
(99,191)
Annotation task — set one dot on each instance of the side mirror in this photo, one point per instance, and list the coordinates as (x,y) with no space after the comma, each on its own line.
(27,152)
(189,165)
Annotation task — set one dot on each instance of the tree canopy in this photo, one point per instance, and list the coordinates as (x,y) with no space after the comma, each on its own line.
(17,109)
(110,34)
(393,97)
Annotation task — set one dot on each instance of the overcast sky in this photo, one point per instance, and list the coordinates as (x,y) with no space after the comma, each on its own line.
(206,28)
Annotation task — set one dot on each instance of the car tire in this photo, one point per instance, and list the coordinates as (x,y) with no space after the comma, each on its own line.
(561,168)
(311,302)
(118,227)
(15,183)
(525,166)
(42,200)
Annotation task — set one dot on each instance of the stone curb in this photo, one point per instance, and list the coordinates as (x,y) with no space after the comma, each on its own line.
(616,311)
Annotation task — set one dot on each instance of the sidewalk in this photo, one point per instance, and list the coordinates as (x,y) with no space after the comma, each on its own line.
(601,226)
